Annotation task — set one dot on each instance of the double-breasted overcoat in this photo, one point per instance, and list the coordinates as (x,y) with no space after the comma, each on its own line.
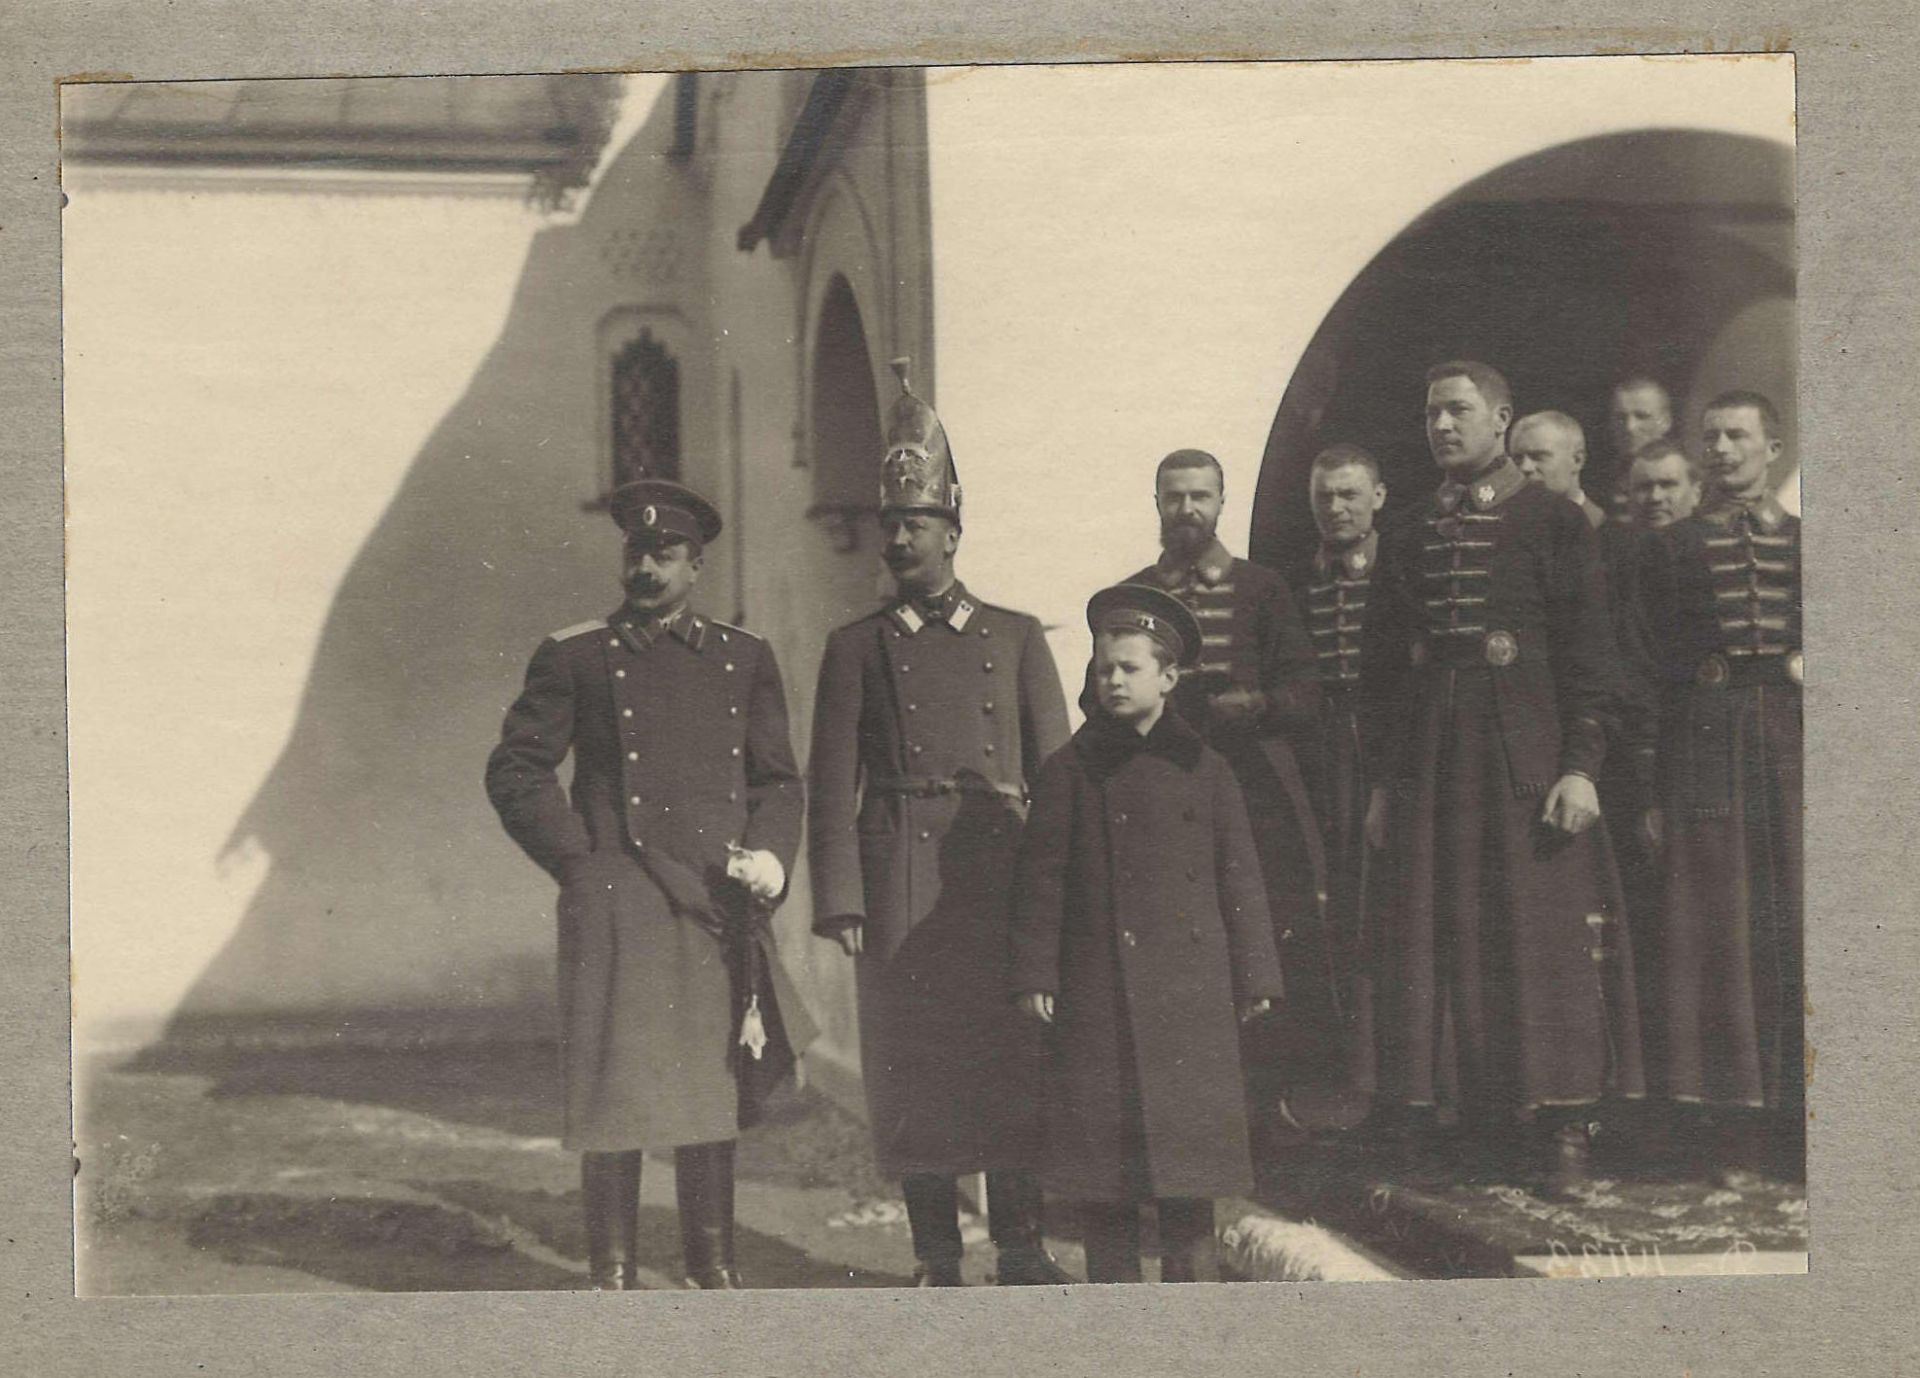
(680,747)
(1140,905)
(926,735)
(1253,639)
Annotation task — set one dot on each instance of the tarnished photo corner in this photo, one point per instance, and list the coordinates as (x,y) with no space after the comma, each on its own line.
(1085,678)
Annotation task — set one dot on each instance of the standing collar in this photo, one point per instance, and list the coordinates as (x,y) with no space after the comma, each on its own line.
(1209,567)
(640,631)
(955,607)
(1489,488)
(1105,743)
(1352,560)
(1596,514)
(1765,511)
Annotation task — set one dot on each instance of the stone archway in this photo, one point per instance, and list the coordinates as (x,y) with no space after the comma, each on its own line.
(1668,252)
(845,443)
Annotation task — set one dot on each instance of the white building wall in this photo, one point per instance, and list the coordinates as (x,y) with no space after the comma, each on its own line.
(249,377)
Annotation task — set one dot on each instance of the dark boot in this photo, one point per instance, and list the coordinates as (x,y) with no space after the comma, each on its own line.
(610,1195)
(933,1215)
(1187,1250)
(1739,1147)
(1014,1221)
(703,1176)
(1111,1231)
(1565,1156)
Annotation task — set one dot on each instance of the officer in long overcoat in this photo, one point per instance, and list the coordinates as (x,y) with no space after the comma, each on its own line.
(1724,602)
(1140,932)
(932,716)
(676,840)
(1491,680)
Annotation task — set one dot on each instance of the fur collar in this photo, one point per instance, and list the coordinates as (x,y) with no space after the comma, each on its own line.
(1105,743)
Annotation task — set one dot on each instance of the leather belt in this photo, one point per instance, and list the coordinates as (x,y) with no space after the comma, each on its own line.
(1495,647)
(1745,671)
(940,786)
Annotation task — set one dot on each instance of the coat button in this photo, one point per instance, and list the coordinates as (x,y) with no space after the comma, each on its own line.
(619,674)
(987,707)
(987,665)
(733,796)
(613,641)
(633,755)
(635,801)
(989,748)
(913,708)
(733,710)
(925,836)
(1119,818)
(736,751)
(916,748)
(904,668)
(1192,874)
(626,712)
(985,632)
(729,667)
(1128,938)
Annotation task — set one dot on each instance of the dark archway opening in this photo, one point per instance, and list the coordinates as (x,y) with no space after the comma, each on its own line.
(1653,252)
(845,445)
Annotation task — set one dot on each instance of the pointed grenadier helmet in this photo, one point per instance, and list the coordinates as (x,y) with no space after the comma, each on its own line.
(917,474)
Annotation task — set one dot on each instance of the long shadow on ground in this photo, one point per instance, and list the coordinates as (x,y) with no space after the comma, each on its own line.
(380,1245)
(554,1219)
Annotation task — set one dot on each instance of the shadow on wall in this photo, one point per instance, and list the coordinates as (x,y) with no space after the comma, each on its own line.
(390,883)
(1666,252)
(391,895)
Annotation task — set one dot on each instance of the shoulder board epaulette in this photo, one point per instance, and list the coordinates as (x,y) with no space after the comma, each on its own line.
(598,624)
(727,629)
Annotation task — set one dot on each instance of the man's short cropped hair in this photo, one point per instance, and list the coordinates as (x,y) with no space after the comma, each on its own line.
(1634,381)
(1567,425)
(1190,459)
(1746,397)
(1489,380)
(1341,455)
(1668,449)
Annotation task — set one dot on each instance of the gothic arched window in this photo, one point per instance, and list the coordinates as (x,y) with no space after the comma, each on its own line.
(646,411)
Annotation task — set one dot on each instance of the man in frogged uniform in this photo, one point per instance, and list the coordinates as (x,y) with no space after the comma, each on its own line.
(1490,683)
(932,717)
(1724,603)
(1347,495)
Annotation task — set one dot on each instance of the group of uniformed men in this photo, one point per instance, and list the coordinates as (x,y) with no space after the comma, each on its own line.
(1523,778)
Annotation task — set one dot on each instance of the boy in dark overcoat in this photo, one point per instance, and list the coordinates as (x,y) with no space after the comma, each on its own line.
(1141,936)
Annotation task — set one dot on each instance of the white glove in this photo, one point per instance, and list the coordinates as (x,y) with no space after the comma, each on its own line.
(760,872)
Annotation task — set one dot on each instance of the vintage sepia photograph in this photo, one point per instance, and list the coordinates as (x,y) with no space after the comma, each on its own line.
(905,677)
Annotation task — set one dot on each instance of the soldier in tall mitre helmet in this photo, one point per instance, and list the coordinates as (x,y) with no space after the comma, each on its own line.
(932,717)
(671,849)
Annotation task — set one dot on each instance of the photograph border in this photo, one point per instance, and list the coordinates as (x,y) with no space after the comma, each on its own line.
(1852,1312)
